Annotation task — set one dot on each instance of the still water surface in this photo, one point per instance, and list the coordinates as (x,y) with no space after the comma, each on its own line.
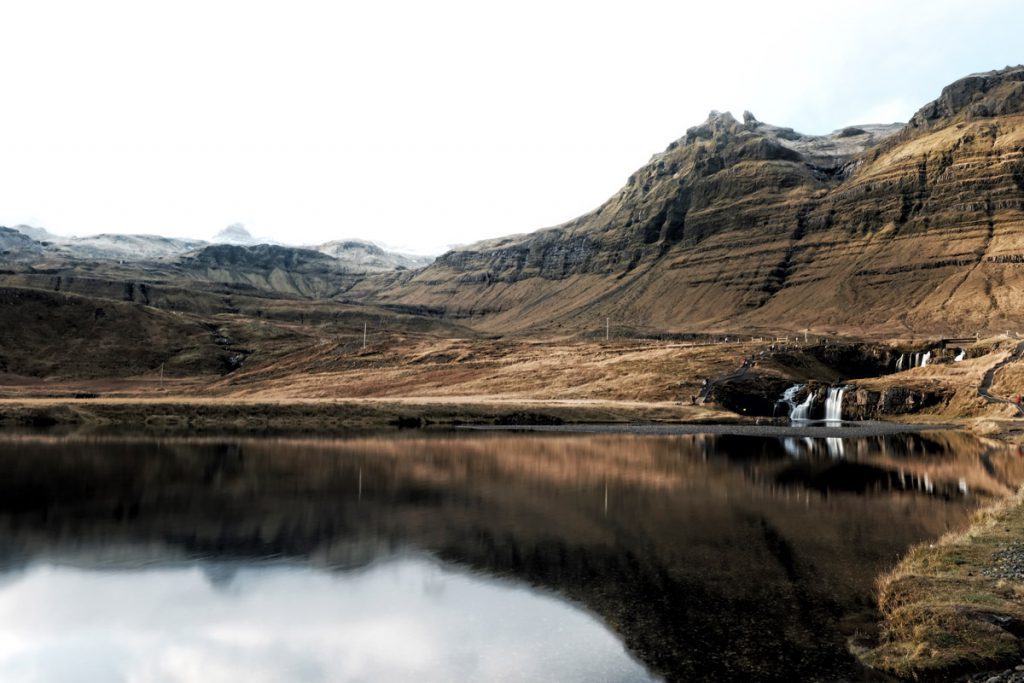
(446,557)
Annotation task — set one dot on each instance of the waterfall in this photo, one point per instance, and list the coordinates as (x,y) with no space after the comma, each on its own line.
(834,404)
(960,356)
(899,363)
(789,395)
(915,360)
(801,413)
(798,412)
(925,358)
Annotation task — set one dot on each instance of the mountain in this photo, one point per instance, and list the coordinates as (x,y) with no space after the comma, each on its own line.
(38,234)
(125,247)
(874,229)
(109,246)
(235,234)
(119,261)
(273,268)
(370,257)
(16,245)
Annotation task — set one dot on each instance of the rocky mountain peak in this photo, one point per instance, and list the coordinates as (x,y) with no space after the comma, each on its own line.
(721,142)
(978,96)
(717,124)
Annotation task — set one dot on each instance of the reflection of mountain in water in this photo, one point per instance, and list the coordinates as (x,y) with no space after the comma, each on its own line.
(710,556)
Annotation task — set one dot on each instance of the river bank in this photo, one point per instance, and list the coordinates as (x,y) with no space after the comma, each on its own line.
(955,607)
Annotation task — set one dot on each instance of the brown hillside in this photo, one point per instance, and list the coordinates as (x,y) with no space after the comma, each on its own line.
(869,230)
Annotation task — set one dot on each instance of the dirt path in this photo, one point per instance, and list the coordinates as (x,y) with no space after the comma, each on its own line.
(986,381)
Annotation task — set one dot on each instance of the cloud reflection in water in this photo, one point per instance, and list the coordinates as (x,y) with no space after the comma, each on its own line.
(407,618)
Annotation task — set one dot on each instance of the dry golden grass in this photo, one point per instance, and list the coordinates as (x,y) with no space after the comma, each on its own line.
(403,366)
(943,615)
(622,371)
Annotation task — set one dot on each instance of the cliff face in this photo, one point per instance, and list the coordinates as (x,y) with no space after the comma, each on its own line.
(872,229)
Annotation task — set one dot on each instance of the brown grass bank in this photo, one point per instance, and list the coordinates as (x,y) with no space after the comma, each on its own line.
(191,414)
(956,606)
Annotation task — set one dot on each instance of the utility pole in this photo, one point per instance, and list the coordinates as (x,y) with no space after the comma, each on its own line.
(607,328)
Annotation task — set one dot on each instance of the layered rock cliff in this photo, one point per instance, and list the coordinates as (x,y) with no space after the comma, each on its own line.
(744,225)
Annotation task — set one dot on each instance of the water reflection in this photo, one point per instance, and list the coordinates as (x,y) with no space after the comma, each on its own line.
(709,557)
(401,619)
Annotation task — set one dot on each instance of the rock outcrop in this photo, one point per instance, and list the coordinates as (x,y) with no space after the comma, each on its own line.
(872,404)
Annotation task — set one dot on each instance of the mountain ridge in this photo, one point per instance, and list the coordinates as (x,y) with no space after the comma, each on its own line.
(354,254)
(736,225)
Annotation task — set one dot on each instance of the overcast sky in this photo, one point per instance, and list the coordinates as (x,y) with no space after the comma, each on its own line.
(425,124)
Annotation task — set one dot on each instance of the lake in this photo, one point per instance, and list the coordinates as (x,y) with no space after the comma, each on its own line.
(465,556)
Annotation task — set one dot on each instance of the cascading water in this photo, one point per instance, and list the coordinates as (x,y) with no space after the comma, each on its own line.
(916,360)
(789,395)
(798,412)
(960,356)
(834,404)
(802,412)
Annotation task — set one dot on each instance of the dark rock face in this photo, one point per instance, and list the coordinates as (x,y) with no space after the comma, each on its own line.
(872,229)
(854,361)
(264,256)
(753,395)
(994,93)
(867,404)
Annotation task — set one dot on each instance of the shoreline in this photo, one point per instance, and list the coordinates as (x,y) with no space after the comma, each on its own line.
(334,417)
(849,430)
(197,415)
